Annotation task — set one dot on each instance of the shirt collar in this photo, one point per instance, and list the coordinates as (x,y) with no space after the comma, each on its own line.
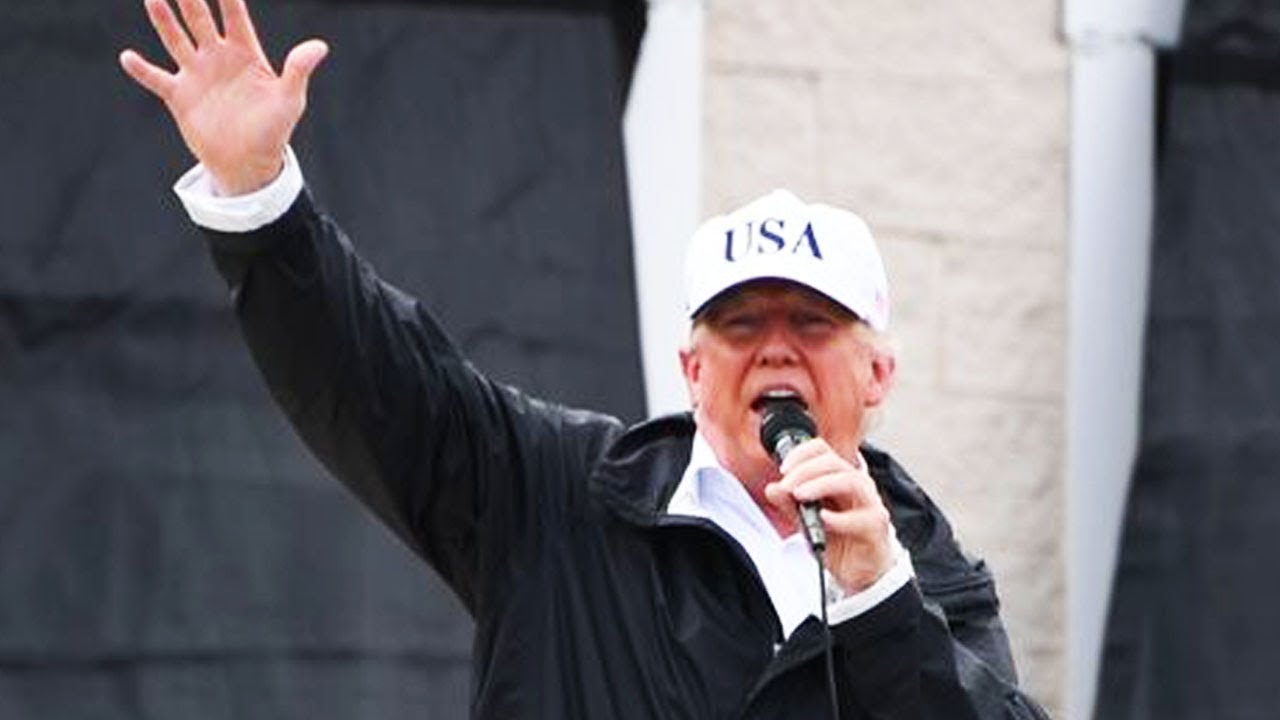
(687,498)
(707,489)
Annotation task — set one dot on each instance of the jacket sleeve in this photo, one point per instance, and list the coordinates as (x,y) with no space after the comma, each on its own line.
(453,463)
(903,659)
(937,647)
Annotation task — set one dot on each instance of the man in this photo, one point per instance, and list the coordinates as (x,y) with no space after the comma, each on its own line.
(645,572)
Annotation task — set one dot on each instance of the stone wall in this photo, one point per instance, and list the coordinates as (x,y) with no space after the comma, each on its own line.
(945,125)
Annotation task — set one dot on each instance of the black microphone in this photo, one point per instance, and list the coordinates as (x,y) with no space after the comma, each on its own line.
(784,425)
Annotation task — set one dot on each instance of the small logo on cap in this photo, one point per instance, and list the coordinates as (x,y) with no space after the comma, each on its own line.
(770,239)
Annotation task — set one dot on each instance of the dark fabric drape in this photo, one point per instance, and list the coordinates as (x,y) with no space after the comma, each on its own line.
(168,549)
(1192,631)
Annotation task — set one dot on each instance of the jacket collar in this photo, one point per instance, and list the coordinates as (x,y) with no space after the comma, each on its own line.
(642,468)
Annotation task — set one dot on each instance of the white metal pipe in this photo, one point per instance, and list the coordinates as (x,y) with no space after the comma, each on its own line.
(663,133)
(1111,191)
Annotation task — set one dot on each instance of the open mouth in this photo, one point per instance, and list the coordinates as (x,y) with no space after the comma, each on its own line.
(778,395)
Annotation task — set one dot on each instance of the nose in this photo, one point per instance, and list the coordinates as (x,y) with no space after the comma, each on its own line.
(777,347)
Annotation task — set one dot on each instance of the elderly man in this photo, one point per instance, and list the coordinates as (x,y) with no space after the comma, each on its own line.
(647,572)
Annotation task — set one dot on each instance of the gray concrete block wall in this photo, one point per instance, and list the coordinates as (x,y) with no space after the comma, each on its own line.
(945,125)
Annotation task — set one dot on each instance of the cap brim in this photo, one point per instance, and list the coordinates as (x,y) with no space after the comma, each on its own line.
(698,311)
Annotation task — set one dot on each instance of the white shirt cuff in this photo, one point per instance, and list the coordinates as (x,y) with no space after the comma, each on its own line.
(239,213)
(851,606)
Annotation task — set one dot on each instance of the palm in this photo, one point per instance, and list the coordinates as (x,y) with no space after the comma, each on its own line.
(233,111)
(232,107)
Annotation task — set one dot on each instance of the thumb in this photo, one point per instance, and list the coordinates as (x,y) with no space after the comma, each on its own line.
(779,497)
(301,62)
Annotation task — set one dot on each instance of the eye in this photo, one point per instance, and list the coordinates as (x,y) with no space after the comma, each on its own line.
(740,324)
(812,323)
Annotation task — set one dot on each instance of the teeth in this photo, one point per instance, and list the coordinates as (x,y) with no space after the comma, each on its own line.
(776,394)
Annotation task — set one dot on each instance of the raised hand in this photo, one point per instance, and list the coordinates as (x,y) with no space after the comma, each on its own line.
(234,112)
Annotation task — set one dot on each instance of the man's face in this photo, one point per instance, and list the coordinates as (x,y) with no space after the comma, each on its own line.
(777,338)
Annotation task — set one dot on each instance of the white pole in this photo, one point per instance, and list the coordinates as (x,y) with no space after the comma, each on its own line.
(663,133)
(1111,199)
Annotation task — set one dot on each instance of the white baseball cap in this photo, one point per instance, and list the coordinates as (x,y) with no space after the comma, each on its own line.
(779,236)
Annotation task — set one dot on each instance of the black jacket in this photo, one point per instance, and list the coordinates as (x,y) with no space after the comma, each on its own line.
(589,601)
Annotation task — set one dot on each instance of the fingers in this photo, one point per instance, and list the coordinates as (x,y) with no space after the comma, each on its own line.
(236,21)
(815,472)
(868,522)
(300,64)
(195,13)
(171,34)
(808,450)
(836,488)
(158,81)
(818,475)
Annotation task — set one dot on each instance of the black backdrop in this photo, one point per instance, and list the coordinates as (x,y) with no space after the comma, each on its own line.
(1192,631)
(167,547)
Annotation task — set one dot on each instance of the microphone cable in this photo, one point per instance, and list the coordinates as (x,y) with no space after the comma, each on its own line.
(828,642)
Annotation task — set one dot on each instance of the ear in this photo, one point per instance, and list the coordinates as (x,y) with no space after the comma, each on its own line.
(883,366)
(691,368)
